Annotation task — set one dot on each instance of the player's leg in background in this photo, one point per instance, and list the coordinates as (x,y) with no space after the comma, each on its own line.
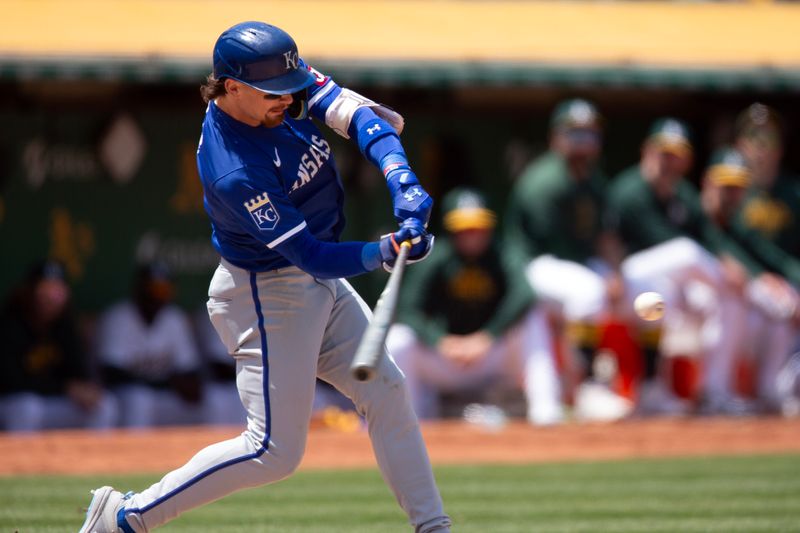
(724,333)
(61,412)
(691,280)
(579,292)
(428,373)
(273,323)
(773,339)
(384,402)
(33,412)
(575,294)
(172,410)
(23,411)
(222,405)
(678,259)
(408,352)
(531,341)
(137,405)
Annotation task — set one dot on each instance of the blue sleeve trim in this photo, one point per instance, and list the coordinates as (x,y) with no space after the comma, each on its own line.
(371,255)
(321,101)
(326,260)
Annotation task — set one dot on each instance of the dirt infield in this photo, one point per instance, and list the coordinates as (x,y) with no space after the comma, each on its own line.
(77,452)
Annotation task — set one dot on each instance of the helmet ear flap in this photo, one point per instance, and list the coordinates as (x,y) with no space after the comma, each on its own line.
(298,109)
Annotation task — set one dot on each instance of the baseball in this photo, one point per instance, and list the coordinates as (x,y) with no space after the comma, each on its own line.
(649,306)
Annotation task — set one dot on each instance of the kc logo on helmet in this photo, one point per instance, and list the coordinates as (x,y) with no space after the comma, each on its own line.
(263,212)
(291,60)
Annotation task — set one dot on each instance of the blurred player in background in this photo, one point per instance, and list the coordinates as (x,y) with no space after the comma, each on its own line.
(46,380)
(554,216)
(772,206)
(675,250)
(771,301)
(467,317)
(277,299)
(149,358)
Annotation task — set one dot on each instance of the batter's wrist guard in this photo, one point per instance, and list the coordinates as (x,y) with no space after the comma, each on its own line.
(411,230)
(409,199)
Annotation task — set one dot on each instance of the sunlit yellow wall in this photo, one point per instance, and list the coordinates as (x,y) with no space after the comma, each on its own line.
(652,33)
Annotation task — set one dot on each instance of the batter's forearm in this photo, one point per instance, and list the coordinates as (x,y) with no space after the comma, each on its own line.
(328,260)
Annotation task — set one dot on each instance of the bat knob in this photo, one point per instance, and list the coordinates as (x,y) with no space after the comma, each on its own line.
(362,373)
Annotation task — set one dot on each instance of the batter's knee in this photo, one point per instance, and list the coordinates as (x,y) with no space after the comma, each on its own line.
(278,465)
(280,459)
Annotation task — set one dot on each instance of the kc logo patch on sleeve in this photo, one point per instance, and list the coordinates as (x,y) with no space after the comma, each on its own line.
(263,212)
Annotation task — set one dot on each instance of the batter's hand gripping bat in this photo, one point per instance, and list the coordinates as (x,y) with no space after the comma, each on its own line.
(370,349)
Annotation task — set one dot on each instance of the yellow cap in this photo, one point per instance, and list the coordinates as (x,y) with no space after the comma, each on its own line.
(466,209)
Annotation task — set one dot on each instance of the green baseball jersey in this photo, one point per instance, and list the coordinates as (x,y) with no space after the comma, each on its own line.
(550,212)
(642,219)
(775,213)
(764,254)
(447,294)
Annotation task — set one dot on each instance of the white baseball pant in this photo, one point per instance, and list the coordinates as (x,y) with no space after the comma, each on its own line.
(668,268)
(523,357)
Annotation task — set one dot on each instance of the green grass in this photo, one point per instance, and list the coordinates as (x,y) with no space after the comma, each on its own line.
(736,494)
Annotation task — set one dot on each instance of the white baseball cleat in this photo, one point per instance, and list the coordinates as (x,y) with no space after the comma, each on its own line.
(101,516)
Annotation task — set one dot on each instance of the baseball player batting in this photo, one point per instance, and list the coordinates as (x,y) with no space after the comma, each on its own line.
(278,298)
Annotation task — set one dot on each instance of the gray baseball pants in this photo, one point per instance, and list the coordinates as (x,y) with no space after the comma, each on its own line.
(285,328)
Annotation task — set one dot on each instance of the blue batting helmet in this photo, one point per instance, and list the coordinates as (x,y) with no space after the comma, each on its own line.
(262,56)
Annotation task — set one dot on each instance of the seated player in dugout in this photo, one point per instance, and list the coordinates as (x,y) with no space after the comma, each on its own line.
(769,303)
(46,377)
(772,206)
(555,217)
(674,249)
(149,357)
(467,319)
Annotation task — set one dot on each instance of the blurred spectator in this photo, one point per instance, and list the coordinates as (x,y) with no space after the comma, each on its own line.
(149,356)
(772,206)
(220,395)
(771,302)
(466,318)
(45,378)
(675,250)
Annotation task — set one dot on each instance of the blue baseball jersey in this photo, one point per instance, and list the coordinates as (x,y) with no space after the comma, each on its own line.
(262,186)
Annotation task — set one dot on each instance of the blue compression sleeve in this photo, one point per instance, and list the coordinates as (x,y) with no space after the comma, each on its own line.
(374,150)
(327,260)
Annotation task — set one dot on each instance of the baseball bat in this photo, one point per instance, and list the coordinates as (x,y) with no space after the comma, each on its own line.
(370,349)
